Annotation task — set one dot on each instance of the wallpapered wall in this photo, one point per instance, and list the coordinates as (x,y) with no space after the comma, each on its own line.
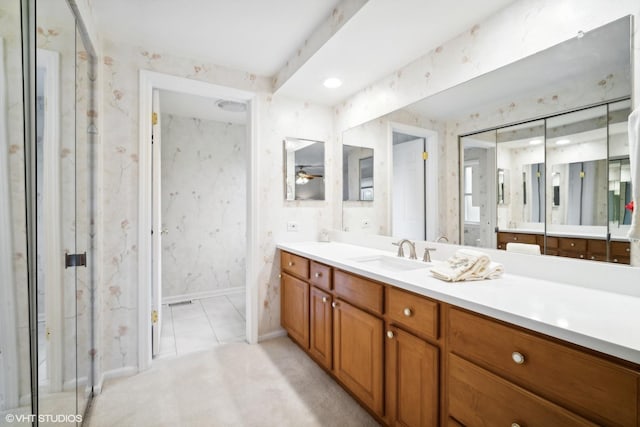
(204,198)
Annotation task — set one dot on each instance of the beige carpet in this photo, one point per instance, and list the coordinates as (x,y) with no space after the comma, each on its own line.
(269,384)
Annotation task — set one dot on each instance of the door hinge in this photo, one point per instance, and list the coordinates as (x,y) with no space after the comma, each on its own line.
(154,316)
(75,260)
(581,174)
(154,118)
(425,155)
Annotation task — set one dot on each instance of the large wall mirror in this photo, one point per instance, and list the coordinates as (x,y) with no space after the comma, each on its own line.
(303,169)
(503,180)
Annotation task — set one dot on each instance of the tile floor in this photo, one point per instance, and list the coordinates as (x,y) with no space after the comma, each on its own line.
(273,383)
(202,324)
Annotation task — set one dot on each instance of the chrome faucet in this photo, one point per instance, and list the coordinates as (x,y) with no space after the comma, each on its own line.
(427,255)
(412,248)
(442,238)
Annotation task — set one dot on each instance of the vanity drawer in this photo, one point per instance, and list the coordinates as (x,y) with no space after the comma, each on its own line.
(517,237)
(573,245)
(552,243)
(479,398)
(358,291)
(294,264)
(586,384)
(620,249)
(413,311)
(320,275)
(597,247)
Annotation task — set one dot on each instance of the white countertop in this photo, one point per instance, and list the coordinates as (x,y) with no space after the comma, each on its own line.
(604,321)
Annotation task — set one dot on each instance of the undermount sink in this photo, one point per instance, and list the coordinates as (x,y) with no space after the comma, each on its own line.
(390,263)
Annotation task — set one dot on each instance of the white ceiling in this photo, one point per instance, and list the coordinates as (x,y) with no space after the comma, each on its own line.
(260,36)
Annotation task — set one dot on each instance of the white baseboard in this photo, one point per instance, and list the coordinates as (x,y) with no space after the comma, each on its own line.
(204,294)
(114,373)
(272,335)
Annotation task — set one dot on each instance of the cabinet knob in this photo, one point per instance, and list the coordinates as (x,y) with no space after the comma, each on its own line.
(407,312)
(515,238)
(573,244)
(334,304)
(615,260)
(628,249)
(325,299)
(593,257)
(317,275)
(279,276)
(517,357)
(581,256)
(515,425)
(290,263)
(390,334)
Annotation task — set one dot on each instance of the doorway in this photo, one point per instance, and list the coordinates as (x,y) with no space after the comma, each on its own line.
(150,307)
(200,180)
(414,189)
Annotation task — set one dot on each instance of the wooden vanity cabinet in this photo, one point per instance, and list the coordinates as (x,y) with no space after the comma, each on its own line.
(294,294)
(412,379)
(358,353)
(321,327)
(491,362)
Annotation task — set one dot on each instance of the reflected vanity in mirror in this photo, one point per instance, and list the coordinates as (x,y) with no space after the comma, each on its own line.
(303,169)
(357,173)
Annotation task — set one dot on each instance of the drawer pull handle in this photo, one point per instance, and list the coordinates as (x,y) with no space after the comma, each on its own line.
(573,244)
(515,238)
(515,425)
(628,249)
(317,275)
(581,256)
(279,276)
(334,304)
(390,334)
(407,312)
(325,299)
(615,260)
(517,357)
(593,257)
(290,263)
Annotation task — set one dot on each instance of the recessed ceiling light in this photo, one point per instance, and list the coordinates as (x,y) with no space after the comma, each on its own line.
(332,83)
(535,142)
(562,142)
(232,106)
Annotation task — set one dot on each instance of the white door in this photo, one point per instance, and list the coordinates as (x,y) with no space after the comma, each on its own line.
(156,223)
(408,190)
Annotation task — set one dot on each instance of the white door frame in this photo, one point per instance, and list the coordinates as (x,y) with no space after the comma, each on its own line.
(431,186)
(8,319)
(150,80)
(51,197)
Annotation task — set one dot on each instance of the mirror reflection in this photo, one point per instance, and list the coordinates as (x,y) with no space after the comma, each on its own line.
(357,173)
(304,169)
(518,193)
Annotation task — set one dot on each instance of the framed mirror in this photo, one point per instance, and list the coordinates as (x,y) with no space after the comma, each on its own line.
(304,169)
(357,173)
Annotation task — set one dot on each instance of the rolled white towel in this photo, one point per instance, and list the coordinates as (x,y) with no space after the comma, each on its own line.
(467,264)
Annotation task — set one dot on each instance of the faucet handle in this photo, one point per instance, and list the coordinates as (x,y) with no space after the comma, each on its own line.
(427,255)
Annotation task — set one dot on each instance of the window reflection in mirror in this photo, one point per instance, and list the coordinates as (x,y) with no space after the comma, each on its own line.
(478,188)
(619,190)
(304,169)
(520,148)
(357,173)
(576,150)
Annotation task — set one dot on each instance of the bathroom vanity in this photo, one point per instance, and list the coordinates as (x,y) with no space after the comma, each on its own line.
(416,351)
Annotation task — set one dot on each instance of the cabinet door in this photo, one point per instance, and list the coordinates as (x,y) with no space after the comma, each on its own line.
(412,380)
(321,322)
(295,308)
(357,353)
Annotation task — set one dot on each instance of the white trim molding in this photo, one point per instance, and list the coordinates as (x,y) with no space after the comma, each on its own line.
(201,295)
(271,335)
(150,80)
(431,186)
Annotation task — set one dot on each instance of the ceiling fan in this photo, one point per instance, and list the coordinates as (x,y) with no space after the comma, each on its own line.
(302,177)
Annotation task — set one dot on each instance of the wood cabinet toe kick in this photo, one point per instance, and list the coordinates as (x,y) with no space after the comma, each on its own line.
(411,360)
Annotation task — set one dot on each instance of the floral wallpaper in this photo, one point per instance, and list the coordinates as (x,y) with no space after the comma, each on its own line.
(204,198)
